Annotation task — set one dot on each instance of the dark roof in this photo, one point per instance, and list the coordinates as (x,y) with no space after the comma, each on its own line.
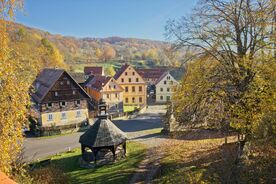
(103,133)
(161,77)
(98,82)
(120,71)
(93,70)
(154,73)
(78,77)
(46,80)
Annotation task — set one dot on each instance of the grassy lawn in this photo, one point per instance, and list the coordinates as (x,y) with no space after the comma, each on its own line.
(129,108)
(119,172)
(196,160)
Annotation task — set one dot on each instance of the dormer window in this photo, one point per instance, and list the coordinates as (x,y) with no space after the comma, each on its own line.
(56,93)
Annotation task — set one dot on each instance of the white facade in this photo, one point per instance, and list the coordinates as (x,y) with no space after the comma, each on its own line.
(165,87)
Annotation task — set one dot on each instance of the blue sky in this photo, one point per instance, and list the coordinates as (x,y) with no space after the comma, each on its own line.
(103,18)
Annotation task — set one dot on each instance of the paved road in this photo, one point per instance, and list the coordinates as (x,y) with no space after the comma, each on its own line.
(136,129)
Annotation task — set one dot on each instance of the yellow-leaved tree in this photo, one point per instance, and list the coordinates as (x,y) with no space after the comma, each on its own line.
(15,79)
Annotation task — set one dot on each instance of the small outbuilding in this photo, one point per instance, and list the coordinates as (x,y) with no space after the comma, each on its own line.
(102,138)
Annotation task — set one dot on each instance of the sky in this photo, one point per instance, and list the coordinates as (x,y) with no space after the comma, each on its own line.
(103,18)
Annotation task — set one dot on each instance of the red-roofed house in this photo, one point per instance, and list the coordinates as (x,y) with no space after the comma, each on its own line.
(106,88)
(93,70)
(151,75)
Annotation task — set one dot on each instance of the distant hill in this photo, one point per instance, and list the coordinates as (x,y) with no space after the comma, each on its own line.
(54,50)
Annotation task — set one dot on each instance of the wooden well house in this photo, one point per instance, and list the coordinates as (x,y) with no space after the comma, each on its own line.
(102,137)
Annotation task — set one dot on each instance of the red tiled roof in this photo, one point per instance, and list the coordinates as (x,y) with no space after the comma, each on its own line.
(98,82)
(153,73)
(94,70)
(120,71)
(4,179)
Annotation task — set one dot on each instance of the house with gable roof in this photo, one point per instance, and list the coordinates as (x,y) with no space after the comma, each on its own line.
(165,87)
(58,100)
(135,88)
(107,89)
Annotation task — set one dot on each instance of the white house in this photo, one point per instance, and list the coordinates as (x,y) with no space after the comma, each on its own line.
(165,87)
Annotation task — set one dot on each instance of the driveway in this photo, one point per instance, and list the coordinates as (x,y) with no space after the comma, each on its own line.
(137,129)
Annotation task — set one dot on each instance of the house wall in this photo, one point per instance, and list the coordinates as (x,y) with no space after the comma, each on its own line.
(165,88)
(130,80)
(73,113)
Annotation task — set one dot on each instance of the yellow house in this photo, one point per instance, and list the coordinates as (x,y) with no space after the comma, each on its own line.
(135,88)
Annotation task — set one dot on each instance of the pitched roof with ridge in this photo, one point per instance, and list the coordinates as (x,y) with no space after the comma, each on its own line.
(154,73)
(103,133)
(121,71)
(46,80)
(94,70)
(98,82)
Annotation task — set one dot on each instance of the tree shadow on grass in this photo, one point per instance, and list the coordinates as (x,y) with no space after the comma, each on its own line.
(118,172)
(215,165)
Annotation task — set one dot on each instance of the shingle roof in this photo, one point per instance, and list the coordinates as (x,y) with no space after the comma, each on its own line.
(103,133)
(120,71)
(94,70)
(154,73)
(46,80)
(98,82)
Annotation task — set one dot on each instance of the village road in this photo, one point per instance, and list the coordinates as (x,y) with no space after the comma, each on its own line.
(138,129)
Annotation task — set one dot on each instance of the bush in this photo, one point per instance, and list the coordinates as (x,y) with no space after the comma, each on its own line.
(49,175)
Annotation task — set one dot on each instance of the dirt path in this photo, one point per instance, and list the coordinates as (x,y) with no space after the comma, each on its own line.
(149,167)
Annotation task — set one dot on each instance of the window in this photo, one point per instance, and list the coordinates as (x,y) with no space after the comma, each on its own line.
(109,87)
(50,117)
(68,82)
(126,89)
(74,92)
(168,98)
(133,99)
(107,95)
(126,100)
(114,86)
(140,88)
(116,106)
(116,95)
(140,99)
(137,79)
(125,73)
(165,82)
(133,73)
(133,88)
(56,93)
(62,104)
(122,80)
(161,97)
(168,89)
(168,77)
(49,105)
(129,80)
(78,114)
(61,83)
(78,102)
(63,115)
(161,89)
